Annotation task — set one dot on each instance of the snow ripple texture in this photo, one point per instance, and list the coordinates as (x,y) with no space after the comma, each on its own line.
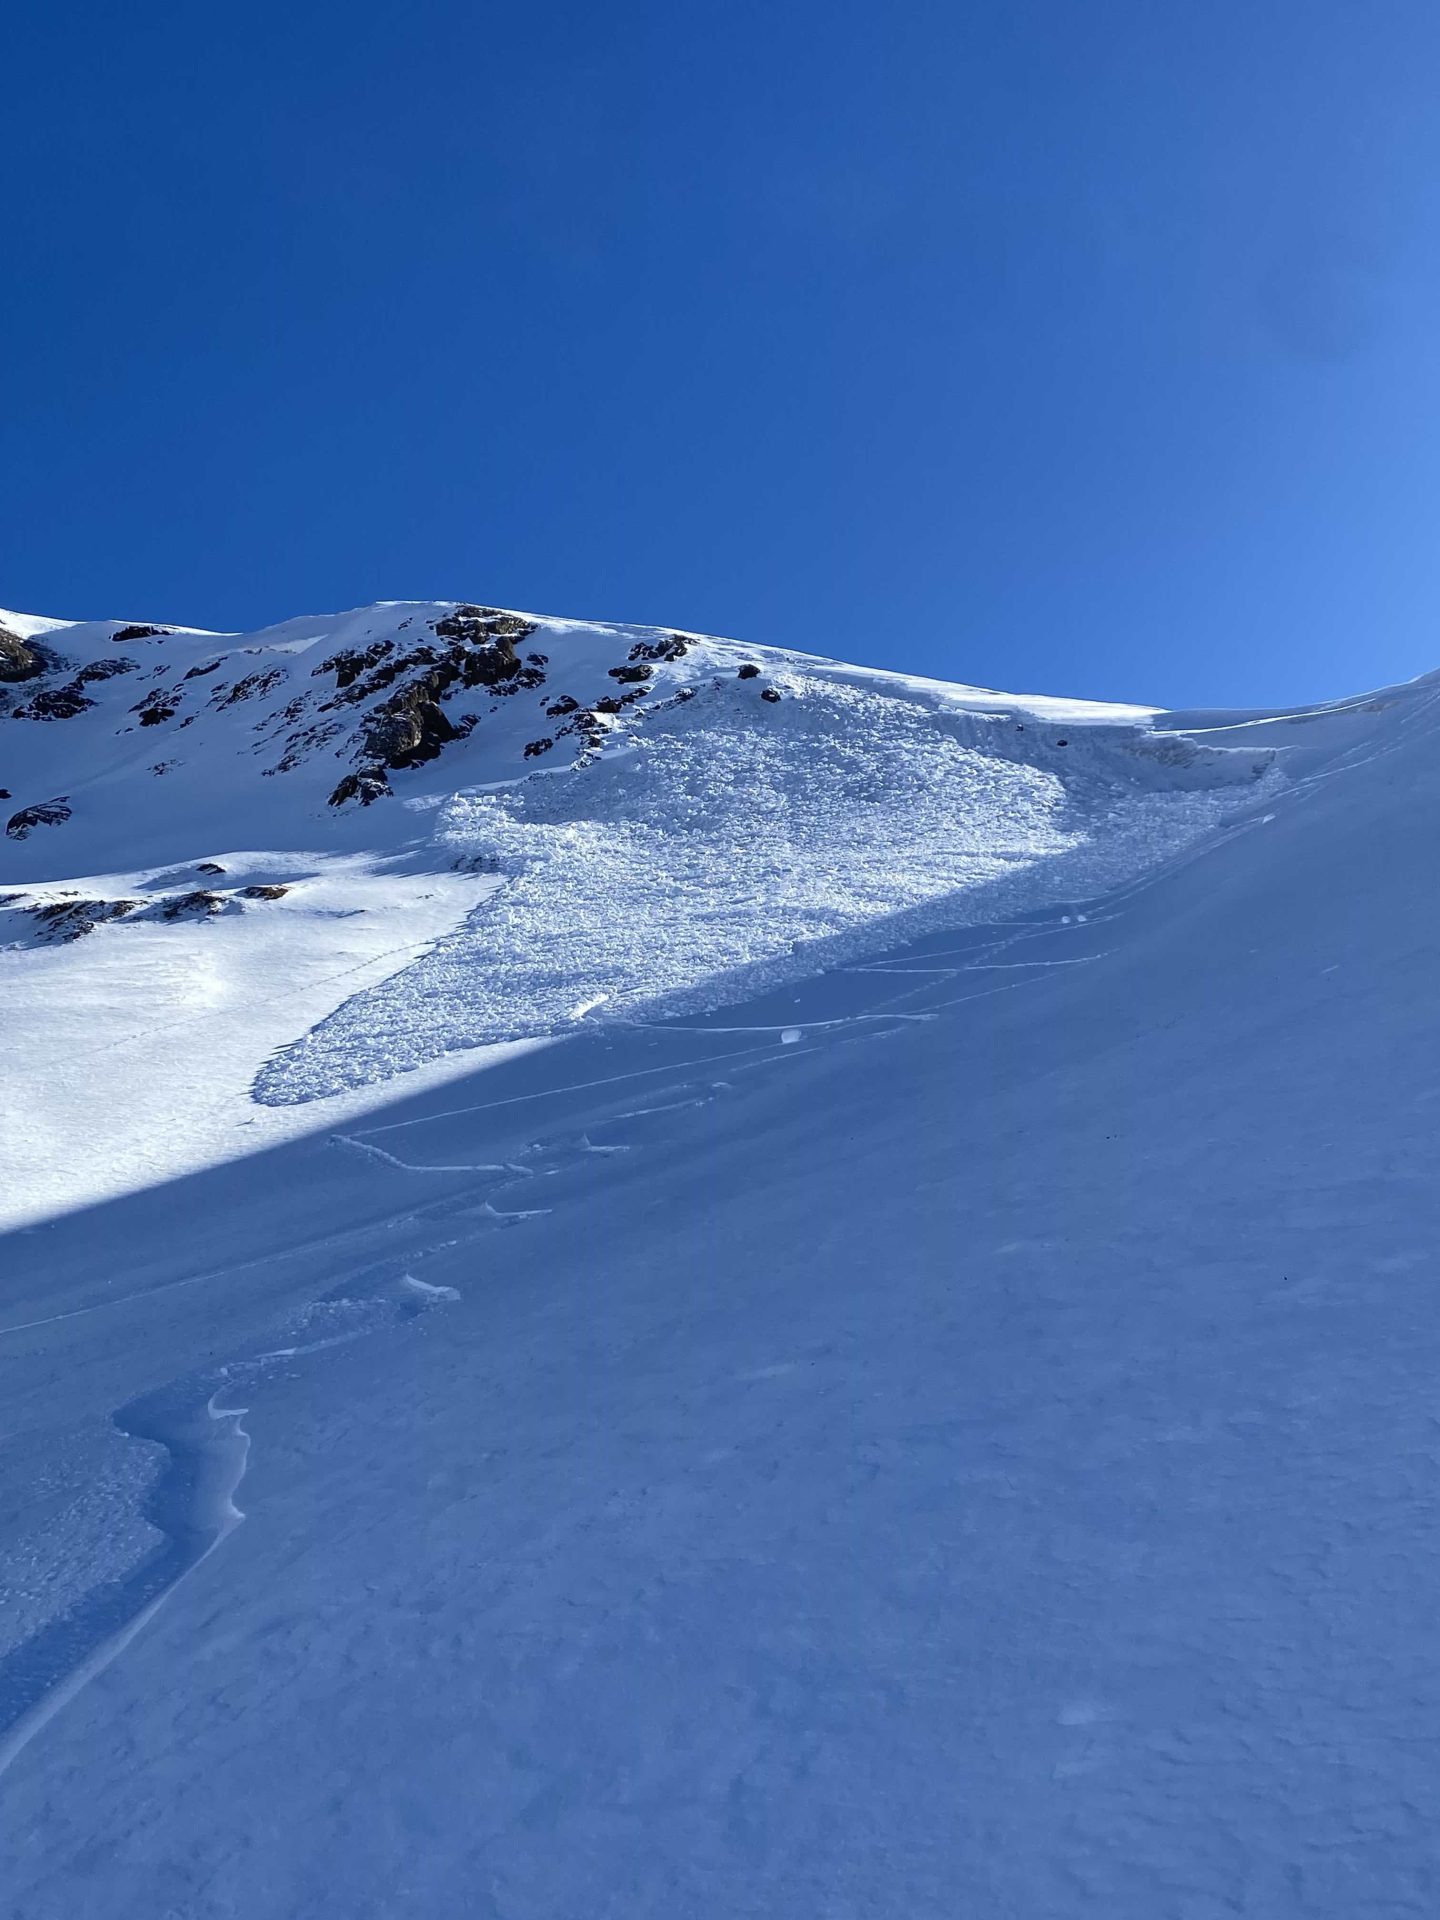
(715,851)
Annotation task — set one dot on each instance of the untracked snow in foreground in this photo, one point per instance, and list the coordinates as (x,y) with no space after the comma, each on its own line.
(902,1386)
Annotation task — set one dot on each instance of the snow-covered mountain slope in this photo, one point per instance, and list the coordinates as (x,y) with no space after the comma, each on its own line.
(893,1376)
(343,848)
(146,740)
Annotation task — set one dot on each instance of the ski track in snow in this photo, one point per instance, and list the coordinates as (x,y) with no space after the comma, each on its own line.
(192,1504)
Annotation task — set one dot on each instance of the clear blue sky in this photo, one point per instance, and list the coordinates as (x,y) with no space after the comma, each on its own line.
(1083,345)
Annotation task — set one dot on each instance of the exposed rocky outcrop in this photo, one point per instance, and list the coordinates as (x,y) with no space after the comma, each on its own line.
(44,813)
(351,662)
(69,918)
(198,905)
(65,701)
(410,727)
(369,783)
(63,920)
(251,687)
(674,647)
(70,697)
(19,659)
(392,699)
(588,726)
(158,706)
(55,703)
(484,651)
(476,624)
(107,669)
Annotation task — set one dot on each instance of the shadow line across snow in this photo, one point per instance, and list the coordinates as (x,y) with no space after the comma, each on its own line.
(266,1265)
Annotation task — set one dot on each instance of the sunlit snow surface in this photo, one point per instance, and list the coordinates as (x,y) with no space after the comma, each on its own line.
(951,1433)
(712,853)
(750,815)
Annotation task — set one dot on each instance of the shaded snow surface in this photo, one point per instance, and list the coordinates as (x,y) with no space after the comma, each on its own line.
(940,1423)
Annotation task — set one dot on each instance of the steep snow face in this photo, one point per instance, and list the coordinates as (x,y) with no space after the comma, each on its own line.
(720,848)
(246,874)
(952,1433)
(897,1378)
(129,745)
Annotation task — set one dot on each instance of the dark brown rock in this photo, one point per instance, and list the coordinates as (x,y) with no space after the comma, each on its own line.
(479,623)
(73,919)
(54,703)
(409,728)
(198,904)
(45,813)
(19,659)
(158,706)
(348,665)
(249,688)
(674,647)
(370,783)
(107,669)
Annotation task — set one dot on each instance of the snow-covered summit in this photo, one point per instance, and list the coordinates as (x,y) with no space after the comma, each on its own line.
(148,734)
